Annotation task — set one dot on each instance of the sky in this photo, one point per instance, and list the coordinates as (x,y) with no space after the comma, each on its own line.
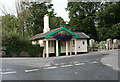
(58,5)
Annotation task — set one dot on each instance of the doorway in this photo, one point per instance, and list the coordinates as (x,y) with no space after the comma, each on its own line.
(59,47)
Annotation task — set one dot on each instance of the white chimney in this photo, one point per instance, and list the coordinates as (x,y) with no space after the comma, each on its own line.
(46,24)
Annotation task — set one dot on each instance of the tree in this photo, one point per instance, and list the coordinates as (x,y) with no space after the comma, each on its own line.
(82,17)
(9,22)
(37,10)
(56,22)
(9,25)
(108,21)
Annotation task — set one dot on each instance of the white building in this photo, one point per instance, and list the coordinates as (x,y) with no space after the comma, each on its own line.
(68,42)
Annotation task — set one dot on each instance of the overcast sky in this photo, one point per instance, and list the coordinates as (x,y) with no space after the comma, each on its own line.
(58,5)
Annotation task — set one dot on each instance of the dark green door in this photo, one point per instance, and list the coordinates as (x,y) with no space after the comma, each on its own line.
(59,47)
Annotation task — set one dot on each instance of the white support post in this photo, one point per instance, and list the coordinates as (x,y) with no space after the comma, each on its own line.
(70,47)
(47,52)
(56,47)
(44,49)
(66,48)
(75,47)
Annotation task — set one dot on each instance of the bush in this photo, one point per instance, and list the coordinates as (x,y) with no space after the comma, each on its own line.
(16,45)
(100,45)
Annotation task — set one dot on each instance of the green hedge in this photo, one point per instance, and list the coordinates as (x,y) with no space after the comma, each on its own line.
(17,45)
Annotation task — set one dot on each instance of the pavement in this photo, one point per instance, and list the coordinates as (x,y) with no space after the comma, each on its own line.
(111,60)
(89,66)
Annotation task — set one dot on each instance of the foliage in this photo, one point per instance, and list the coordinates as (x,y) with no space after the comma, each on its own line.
(31,17)
(37,12)
(98,20)
(82,17)
(100,45)
(16,45)
(95,44)
(9,23)
(56,22)
(16,31)
(108,21)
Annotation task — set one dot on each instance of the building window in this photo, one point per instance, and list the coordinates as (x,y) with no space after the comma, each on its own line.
(49,43)
(62,43)
(83,42)
(73,43)
(52,43)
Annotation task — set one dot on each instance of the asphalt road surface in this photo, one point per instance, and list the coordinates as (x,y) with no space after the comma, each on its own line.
(80,67)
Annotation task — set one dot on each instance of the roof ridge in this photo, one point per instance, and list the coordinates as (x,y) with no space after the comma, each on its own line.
(42,34)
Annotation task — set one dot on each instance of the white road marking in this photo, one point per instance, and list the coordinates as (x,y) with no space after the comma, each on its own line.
(94,62)
(108,65)
(13,72)
(118,69)
(51,67)
(31,70)
(47,65)
(80,64)
(56,64)
(67,66)
(76,72)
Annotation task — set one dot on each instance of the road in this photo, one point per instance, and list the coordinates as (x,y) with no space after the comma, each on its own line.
(81,67)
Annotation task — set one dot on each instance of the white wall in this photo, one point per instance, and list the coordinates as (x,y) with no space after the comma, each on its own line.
(80,47)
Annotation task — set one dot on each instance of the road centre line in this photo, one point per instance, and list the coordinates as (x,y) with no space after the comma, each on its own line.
(31,70)
(67,66)
(51,67)
(56,64)
(13,72)
(80,64)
